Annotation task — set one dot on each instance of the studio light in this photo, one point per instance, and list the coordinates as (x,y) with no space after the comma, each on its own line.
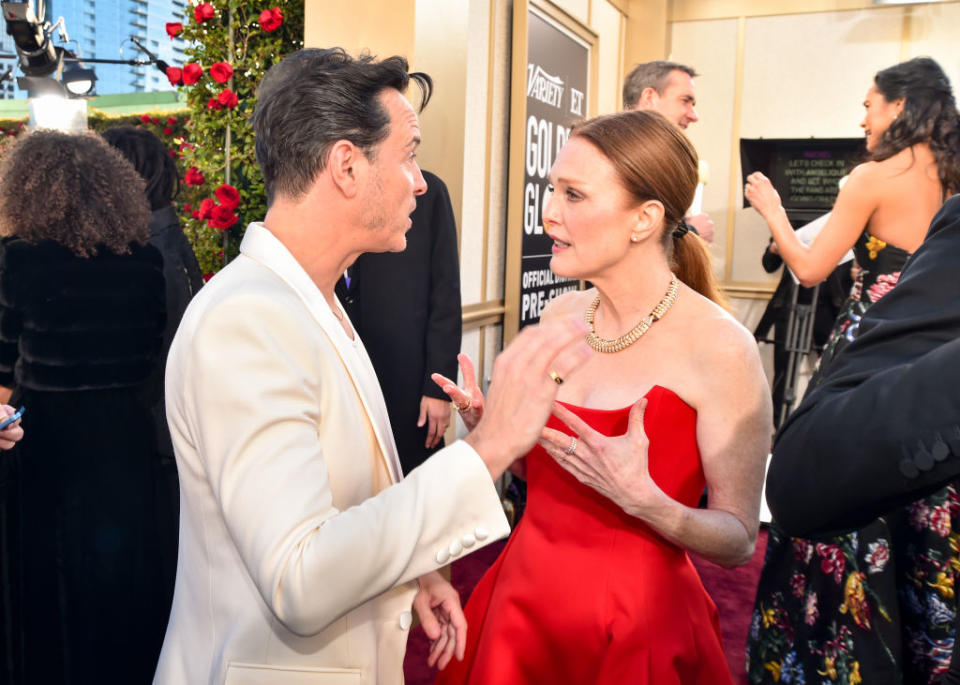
(35,50)
(78,79)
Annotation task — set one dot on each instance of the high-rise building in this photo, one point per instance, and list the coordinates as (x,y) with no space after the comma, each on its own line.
(8,86)
(102,29)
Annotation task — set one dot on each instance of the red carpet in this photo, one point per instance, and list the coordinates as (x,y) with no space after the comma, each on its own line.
(732,590)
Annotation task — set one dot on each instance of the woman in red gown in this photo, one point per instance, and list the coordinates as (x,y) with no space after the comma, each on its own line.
(595,585)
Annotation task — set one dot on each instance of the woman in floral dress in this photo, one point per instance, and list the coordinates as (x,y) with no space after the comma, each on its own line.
(876,605)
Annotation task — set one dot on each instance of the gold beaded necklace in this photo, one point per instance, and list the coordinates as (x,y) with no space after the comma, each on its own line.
(633,335)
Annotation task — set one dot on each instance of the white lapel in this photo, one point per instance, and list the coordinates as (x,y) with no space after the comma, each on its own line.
(263,247)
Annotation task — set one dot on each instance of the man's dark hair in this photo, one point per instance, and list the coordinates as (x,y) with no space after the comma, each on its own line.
(313,98)
(654,75)
(151,158)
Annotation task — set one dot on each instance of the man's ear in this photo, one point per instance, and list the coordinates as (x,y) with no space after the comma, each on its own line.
(648,220)
(346,163)
(648,98)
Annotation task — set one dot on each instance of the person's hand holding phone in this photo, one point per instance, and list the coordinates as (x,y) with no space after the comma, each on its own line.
(10,429)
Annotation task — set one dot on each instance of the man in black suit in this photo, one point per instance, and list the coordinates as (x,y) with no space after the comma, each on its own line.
(883,428)
(406,308)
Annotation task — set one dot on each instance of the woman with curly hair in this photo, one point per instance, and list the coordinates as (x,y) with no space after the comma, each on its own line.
(877,604)
(81,324)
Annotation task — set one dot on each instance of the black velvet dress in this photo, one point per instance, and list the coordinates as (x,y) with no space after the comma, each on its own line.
(81,596)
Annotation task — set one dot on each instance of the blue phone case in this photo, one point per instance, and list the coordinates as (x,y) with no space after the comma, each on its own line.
(13,417)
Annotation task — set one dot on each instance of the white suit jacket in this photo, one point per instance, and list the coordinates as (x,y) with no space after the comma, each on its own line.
(299,537)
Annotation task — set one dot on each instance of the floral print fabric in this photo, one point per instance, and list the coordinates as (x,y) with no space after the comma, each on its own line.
(875,272)
(876,605)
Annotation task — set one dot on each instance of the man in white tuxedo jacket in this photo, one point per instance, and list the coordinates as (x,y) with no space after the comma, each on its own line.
(301,545)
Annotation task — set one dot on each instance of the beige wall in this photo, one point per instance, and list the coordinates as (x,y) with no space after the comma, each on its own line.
(385,27)
(646,36)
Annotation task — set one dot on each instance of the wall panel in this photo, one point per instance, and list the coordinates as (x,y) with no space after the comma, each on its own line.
(710,47)
(606,20)
(933,32)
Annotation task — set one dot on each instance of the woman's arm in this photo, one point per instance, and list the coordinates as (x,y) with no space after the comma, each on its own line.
(852,210)
(733,433)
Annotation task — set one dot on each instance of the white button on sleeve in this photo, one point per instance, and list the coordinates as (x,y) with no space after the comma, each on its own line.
(443,555)
(406,620)
(481,532)
(455,548)
(468,540)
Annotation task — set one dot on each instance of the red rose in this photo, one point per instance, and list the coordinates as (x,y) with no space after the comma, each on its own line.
(221,218)
(172,121)
(213,104)
(187,207)
(145,118)
(206,206)
(221,72)
(228,196)
(195,214)
(191,73)
(193,177)
(227,98)
(173,154)
(271,20)
(174,29)
(207,277)
(175,75)
(167,131)
(203,12)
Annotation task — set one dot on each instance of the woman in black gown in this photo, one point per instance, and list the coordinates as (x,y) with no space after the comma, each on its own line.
(876,604)
(81,323)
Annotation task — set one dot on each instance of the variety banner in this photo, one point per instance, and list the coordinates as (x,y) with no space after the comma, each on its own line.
(558,67)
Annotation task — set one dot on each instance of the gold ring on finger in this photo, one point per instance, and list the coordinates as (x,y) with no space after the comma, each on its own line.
(556,378)
(466,406)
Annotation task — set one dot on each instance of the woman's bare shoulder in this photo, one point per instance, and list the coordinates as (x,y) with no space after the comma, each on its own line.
(574,302)
(714,332)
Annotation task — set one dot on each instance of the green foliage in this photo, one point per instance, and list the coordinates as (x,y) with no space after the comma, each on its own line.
(169,126)
(215,133)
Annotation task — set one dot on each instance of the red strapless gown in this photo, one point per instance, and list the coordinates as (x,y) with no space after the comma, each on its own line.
(584,593)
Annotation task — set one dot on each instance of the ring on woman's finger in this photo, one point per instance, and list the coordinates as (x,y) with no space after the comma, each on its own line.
(465,406)
(572,447)
(556,378)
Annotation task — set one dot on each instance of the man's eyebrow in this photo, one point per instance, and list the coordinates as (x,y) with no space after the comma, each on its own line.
(414,142)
